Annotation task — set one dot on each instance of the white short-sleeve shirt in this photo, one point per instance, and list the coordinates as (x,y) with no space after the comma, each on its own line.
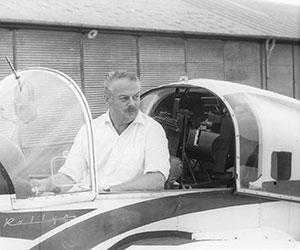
(141,148)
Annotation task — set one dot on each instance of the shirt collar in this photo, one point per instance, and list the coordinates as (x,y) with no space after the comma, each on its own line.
(139,118)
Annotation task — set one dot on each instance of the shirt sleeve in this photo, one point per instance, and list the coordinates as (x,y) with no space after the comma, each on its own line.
(76,163)
(156,150)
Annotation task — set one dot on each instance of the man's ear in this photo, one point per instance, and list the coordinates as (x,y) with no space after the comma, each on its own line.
(106,98)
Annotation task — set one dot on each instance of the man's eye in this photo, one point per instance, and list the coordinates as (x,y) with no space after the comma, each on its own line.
(136,97)
(123,99)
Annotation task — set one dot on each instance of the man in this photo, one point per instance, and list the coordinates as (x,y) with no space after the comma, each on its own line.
(131,148)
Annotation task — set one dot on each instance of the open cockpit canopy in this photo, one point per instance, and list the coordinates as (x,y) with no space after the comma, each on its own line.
(220,128)
(41,111)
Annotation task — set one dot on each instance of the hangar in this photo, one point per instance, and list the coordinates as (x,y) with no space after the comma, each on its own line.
(253,42)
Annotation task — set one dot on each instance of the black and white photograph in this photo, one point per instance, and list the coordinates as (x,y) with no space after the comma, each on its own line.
(149,124)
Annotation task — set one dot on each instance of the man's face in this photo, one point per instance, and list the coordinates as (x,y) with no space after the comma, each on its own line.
(124,101)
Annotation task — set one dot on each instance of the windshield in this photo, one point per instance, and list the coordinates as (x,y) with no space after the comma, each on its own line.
(248,138)
(40,115)
(269,145)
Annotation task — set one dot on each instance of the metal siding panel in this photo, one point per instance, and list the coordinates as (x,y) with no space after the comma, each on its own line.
(205,59)
(242,63)
(297,70)
(6,49)
(53,49)
(102,54)
(281,70)
(281,80)
(95,99)
(281,55)
(161,60)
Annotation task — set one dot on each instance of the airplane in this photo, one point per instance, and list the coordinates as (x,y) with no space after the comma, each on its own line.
(235,183)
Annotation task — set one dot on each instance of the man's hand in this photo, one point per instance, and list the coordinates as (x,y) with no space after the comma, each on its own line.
(41,186)
(56,184)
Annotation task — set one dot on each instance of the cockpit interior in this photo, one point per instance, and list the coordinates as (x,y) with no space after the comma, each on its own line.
(200,133)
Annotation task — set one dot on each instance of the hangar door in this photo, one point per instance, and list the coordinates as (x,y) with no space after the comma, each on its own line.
(296,49)
(205,59)
(243,63)
(6,49)
(224,60)
(281,70)
(58,50)
(162,60)
(105,53)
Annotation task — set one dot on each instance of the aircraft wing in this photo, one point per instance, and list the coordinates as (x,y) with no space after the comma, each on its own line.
(247,239)
(14,243)
(222,245)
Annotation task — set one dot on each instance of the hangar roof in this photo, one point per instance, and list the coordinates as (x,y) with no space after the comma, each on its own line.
(240,18)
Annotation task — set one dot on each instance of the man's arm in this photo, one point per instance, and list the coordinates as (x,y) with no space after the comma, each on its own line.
(56,183)
(152,181)
(70,173)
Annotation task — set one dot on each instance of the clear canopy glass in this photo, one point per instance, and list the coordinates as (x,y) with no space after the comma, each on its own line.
(41,111)
(269,132)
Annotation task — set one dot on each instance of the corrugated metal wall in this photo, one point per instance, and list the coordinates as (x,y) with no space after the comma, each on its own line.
(157,59)
(162,60)
(205,58)
(296,67)
(53,49)
(6,111)
(242,63)
(6,49)
(102,54)
(281,70)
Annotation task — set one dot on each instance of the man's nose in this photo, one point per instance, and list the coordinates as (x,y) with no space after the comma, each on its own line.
(131,101)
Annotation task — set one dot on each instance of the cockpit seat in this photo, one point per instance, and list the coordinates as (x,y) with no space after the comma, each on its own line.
(176,167)
(224,145)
